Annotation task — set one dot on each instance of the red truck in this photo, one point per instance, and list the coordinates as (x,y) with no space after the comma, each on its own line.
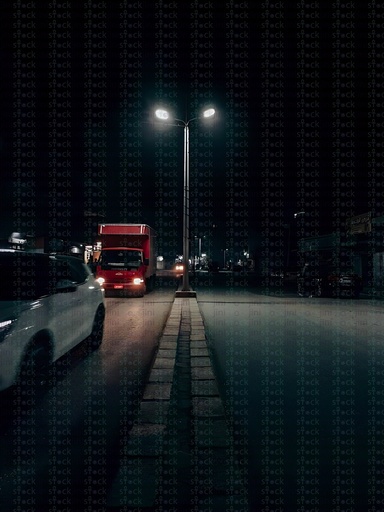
(127,261)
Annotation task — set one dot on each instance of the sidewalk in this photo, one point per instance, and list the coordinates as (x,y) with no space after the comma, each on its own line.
(180,454)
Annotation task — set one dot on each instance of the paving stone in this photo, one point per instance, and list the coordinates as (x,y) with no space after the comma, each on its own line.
(207,406)
(163,362)
(168,345)
(199,352)
(161,375)
(198,343)
(144,437)
(202,373)
(198,332)
(200,362)
(158,391)
(204,388)
(169,338)
(167,352)
(153,411)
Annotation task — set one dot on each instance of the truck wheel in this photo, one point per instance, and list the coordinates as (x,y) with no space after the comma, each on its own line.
(98,329)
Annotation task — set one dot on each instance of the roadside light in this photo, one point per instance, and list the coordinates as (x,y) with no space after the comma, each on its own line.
(209,112)
(162,114)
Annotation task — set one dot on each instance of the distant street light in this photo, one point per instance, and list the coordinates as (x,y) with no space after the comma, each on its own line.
(295,215)
(199,238)
(225,252)
(164,115)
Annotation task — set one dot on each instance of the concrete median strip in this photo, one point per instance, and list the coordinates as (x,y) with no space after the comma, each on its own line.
(180,452)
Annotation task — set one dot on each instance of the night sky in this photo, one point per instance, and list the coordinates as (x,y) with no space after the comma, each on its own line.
(299,95)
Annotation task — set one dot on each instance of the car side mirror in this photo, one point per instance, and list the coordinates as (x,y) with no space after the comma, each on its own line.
(65,285)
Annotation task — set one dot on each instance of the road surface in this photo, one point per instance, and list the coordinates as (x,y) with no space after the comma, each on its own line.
(302,381)
(61,446)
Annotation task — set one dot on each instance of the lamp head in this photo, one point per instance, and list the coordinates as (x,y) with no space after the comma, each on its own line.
(209,112)
(162,114)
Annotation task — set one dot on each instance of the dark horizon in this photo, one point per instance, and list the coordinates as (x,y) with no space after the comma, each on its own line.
(297,127)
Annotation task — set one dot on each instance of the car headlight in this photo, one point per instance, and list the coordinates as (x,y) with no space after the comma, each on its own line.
(5,328)
(100,280)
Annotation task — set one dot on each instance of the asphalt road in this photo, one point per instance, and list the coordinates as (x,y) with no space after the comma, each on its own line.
(302,381)
(61,446)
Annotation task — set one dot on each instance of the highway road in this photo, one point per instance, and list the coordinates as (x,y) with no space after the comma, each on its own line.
(302,382)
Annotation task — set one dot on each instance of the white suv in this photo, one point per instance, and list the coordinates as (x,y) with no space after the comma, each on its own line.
(48,304)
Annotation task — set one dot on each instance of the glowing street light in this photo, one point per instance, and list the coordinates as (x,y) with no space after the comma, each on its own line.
(164,115)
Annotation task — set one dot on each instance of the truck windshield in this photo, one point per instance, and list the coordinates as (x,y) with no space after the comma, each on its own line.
(121,259)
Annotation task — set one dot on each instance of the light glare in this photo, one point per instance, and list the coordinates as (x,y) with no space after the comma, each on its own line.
(162,114)
(209,112)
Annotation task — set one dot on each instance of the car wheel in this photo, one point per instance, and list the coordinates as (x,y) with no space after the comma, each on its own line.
(34,366)
(97,329)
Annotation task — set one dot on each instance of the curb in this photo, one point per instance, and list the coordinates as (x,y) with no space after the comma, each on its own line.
(180,454)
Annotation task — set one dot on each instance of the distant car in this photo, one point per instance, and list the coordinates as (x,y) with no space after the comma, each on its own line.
(178,269)
(324,282)
(48,304)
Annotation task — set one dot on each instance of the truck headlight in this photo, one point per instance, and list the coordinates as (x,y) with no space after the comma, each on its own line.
(138,280)
(100,280)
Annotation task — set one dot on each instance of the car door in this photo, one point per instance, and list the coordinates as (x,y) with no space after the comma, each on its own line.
(86,296)
(65,307)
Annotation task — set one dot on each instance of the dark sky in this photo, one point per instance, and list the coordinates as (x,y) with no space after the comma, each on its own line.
(299,99)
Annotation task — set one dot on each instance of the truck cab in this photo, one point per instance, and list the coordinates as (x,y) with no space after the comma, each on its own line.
(122,269)
(127,261)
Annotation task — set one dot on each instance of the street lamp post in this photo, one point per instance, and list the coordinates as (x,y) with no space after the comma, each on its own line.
(295,216)
(199,238)
(164,115)
(225,251)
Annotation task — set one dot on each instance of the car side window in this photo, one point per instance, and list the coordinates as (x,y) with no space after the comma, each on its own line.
(59,270)
(79,271)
